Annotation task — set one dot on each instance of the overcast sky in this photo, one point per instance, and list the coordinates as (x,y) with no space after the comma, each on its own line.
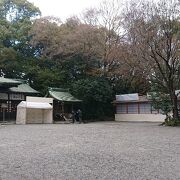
(64,8)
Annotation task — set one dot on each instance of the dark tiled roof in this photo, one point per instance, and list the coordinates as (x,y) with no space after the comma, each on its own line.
(23,88)
(62,95)
(6,82)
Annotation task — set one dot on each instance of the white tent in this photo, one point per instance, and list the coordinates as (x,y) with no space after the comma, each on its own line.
(34,112)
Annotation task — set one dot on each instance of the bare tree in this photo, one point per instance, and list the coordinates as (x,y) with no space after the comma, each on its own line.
(107,18)
(97,35)
(153,35)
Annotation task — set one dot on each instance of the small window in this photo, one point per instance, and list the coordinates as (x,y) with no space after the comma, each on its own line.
(145,108)
(121,109)
(133,108)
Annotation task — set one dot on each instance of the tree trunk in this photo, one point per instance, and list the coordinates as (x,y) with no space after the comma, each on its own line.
(174,100)
(175,106)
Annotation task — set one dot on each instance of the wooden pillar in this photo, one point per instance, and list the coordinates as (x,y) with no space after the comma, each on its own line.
(8,108)
(127,108)
(138,108)
(62,104)
(151,108)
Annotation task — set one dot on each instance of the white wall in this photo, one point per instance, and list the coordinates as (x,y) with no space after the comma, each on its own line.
(34,116)
(140,117)
(21,115)
(47,116)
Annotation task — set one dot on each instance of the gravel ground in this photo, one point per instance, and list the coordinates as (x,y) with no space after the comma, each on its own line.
(108,150)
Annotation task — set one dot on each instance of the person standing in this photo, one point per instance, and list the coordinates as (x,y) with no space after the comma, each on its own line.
(73,117)
(79,113)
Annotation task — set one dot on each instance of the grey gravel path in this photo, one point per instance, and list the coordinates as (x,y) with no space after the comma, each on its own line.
(109,150)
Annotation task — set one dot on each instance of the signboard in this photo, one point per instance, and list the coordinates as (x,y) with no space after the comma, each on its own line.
(17,97)
(4,96)
(4,106)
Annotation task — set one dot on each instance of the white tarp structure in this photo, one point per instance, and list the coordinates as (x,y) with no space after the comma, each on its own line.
(39,99)
(127,97)
(34,112)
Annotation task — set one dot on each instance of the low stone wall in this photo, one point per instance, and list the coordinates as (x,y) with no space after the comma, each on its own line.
(140,117)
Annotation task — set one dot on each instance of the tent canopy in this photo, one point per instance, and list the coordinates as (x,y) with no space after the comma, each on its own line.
(62,95)
(35,105)
(34,112)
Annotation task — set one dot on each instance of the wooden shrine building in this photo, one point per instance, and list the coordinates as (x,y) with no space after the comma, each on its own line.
(12,92)
(64,102)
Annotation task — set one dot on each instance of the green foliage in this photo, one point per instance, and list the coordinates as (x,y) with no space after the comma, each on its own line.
(73,68)
(41,74)
(96,94)
(131,84)
(161,101)
(169,121)
(15,23)
(15,10)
